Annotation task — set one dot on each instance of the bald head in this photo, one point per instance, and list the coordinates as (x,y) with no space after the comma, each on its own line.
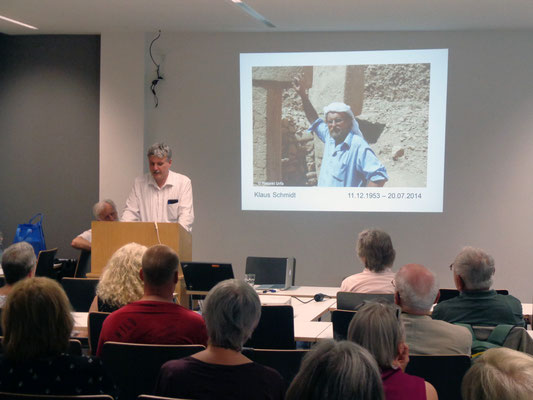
(416,288)
(159,264)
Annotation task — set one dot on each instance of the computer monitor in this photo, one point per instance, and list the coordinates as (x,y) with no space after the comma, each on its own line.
(202,276)
(272,272)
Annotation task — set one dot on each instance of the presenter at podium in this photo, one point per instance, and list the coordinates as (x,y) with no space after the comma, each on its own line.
(161,195)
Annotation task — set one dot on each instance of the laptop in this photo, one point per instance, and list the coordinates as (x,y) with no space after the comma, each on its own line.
(272,272)
(202,276)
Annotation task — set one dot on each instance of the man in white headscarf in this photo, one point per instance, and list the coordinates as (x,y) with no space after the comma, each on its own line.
(348,160)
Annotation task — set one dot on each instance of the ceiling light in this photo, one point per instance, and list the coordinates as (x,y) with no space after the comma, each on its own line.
(17,22)
(250,11)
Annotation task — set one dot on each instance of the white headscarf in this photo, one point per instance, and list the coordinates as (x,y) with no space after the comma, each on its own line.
(338,107)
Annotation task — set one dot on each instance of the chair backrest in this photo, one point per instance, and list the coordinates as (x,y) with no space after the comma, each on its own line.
(21,396)
(74,347)
(447,294)
(151,397)
(350,300)
(45,264)
(341,321)
(80,292)
(445,373)
(286,362)
(134,367)
(83,265)
(94,326)
(275,329)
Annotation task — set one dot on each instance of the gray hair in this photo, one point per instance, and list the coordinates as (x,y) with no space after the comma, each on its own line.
(375,247)
(160,150)
(99,207)
(378,328)
(18,261)
(475,267)
(416,292)
(231,311)
(499,374)
(337,370)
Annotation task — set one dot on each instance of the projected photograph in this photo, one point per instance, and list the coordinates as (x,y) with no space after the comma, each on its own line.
(359,121)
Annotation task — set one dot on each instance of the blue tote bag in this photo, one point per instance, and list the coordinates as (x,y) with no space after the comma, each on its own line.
(32,232)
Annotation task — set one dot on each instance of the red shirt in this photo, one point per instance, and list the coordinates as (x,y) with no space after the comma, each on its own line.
(153,322)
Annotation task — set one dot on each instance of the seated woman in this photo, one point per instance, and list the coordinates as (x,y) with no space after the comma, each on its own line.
(337,371)
(231,311)
(37,324)
(378,328)
(499,374)
(374,249)
(120,283)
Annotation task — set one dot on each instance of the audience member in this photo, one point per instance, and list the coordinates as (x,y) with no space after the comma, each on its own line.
(477,304)
(416,292)
(104,210)
(231,310)
(37,324)
(18,262)
(378,328)
(499,374)
(337,371)
(120,283)
(374,248)
(155,318)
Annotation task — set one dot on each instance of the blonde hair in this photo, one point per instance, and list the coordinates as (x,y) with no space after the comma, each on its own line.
(499,374)
(120,282)
(36,320)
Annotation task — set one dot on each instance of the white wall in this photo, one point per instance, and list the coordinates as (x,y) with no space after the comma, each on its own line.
(488,187)
(121,114)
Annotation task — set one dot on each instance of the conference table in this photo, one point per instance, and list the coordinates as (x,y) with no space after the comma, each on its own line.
(307,311)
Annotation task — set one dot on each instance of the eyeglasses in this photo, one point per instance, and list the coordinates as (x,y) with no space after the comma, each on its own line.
(335,120)
(451,267)
(393,284)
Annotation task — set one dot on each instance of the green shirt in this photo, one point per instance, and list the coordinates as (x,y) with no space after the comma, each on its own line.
(485,308)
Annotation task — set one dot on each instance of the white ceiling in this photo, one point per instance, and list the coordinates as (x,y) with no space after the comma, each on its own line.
(97,16)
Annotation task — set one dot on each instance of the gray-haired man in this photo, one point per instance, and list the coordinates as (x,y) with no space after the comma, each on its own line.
(348,160)
(18,262)
(104,210)
(477,304)
(416,290)
(161,195)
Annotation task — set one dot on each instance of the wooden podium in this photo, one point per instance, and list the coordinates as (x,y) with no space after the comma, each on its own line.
(107,237)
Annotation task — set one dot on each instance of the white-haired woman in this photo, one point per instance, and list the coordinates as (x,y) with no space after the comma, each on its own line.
(231,310)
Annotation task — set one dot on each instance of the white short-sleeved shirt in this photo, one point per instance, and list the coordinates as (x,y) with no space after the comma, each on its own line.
(369,282)
(87,235)
(172,202)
